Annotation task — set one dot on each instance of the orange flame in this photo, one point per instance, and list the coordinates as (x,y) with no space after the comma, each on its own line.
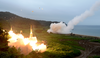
(25,44)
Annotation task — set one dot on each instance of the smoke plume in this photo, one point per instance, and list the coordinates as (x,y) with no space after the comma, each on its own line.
(63,29)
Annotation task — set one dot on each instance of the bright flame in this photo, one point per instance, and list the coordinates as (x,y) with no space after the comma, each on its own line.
(26,41)
(25,44)
(42,48)
(13,37)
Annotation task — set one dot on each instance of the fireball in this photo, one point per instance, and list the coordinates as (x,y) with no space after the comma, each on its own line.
(25,44)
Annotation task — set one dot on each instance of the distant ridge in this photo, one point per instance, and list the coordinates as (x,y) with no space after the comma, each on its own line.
(8,20)
(7,15)
(14,19)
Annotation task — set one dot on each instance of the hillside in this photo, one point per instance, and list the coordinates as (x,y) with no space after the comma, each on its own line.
(15,19)
(8,20)
(58,45)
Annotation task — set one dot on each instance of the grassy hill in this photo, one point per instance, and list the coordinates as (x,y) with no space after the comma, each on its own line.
(58,45)
(8,20)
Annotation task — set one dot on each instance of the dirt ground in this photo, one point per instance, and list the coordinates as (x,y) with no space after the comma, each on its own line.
(91,48)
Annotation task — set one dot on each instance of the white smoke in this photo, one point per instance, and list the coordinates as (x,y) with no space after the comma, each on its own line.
(63,29)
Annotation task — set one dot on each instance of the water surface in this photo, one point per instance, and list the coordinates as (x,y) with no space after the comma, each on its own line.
(91,30)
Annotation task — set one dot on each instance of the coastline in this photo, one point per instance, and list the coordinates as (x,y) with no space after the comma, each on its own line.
(84,36)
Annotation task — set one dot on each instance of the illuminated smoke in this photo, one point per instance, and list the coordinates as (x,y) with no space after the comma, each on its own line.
(63,29)
(26,45)
(58,28)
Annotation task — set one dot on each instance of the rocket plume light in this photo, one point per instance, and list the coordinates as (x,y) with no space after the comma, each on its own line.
(63,29)
(25,44)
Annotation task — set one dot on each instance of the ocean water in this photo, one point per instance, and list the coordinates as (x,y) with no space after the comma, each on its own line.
(91,30)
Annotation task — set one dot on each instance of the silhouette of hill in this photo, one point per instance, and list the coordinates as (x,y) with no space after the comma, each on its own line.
(15,19)
(8,20)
